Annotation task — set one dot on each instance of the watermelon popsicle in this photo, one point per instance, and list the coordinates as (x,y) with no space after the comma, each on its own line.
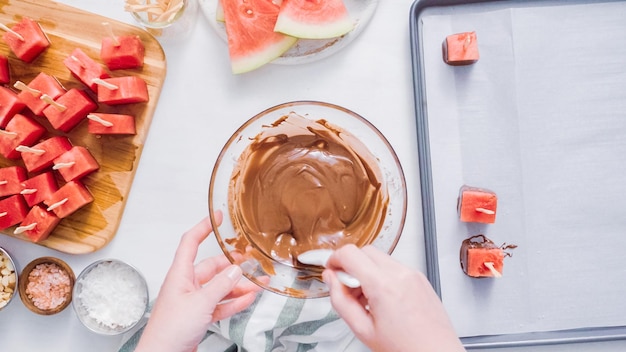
(477,205)
(480,257)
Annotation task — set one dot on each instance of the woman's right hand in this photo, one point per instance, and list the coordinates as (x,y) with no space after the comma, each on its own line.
(395,309)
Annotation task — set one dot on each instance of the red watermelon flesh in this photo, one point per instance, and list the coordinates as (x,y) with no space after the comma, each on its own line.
(10,105)
(39,188)
(13,210)
(477,259)
(127,53)
(77,105)
(252,41)
(83,163)
(85,69)
(111,124)
(5,72)
(21,130)
(129,89)
(51,147)
(43,223)
(74,195)
(11,178)
(44,84)
(33,42)
(314,19)
(477,205)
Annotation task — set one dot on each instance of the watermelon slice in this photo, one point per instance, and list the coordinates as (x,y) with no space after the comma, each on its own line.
(26,39)
(75,107)
(314,19)
(127,53)
(10,105)
(32,93)
(252,41)
(480,257)
(68,199)
(38,224)
(39,188)
(11,178)
(75,163)
(477,205)
(21,130)
(5,72)
(100,123)
(123,90)
(84,68)
(42,155)
(12,211)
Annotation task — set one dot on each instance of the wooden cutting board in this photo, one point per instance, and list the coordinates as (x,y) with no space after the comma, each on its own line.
(93,226)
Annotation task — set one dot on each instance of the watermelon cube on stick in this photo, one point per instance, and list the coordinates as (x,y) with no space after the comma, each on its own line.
(42,85)
(69,109)
(84,68)
(122,90)
(314,19)
(100,123)
(39,188)
(11,178)
(121,52)
(41,155)
(480,257)
(38,224)
(10,105)
(460,49)
(477,205)
(76,163)
(13,210)
(252,41)
(26,39)
(68,199)
(21,130)
(5,72)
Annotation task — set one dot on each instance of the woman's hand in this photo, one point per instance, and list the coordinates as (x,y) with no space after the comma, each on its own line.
(191,295)
(395,309)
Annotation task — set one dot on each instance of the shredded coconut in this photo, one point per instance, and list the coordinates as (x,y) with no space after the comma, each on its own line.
(113,294)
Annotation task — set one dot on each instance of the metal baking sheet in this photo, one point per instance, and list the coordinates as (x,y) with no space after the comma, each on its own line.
(541,120)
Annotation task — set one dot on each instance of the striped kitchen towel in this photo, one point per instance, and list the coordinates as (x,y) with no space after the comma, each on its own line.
(274,323)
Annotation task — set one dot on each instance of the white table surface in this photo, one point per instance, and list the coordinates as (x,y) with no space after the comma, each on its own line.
(371,76)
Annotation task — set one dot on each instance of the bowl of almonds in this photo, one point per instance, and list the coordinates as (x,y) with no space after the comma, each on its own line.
(45,285)
(8,278)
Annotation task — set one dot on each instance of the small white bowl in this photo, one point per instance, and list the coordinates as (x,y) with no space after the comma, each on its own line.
(14,286)
(110,297)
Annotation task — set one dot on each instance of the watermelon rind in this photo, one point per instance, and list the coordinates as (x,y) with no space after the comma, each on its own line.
(326,19)
(252,62)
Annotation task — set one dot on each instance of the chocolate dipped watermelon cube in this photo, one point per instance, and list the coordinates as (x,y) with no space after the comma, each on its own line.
(100,123)
(38,224)
(480,257)
(75,164)
(26,39)
(68,199)
(460,49)
(70,108)
(13,210)
(39,188)
(10,105)
(21,130)
(122,52)
(477,205)
(123,90)
(31,94)
(41,155)
(11,178)
(85,69)
(5,72)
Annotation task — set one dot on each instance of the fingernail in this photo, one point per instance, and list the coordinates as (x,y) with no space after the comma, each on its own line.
(234,272)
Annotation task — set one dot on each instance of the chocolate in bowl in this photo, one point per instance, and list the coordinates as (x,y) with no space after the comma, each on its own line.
(299,176)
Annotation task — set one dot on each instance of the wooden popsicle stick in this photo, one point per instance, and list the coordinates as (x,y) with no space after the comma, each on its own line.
(57,204)
(25,149)
(48,99)
(485,211)
(100,120)
(104,83)
(63,165)
(22,86)
(493,270)
(21,229)
(19,36)
(109,29)
(28,191)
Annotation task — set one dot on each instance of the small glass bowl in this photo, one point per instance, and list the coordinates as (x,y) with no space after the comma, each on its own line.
(24,281)
(283,278)
(9,269)
(83,312)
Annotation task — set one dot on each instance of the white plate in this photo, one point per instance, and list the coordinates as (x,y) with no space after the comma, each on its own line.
(307,50)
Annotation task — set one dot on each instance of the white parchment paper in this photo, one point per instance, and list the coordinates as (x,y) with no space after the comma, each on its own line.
(541,120)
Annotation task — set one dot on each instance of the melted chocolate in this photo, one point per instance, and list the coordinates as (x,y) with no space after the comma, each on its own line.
(301,185)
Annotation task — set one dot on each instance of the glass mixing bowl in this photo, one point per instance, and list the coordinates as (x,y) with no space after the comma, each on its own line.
(286,277)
